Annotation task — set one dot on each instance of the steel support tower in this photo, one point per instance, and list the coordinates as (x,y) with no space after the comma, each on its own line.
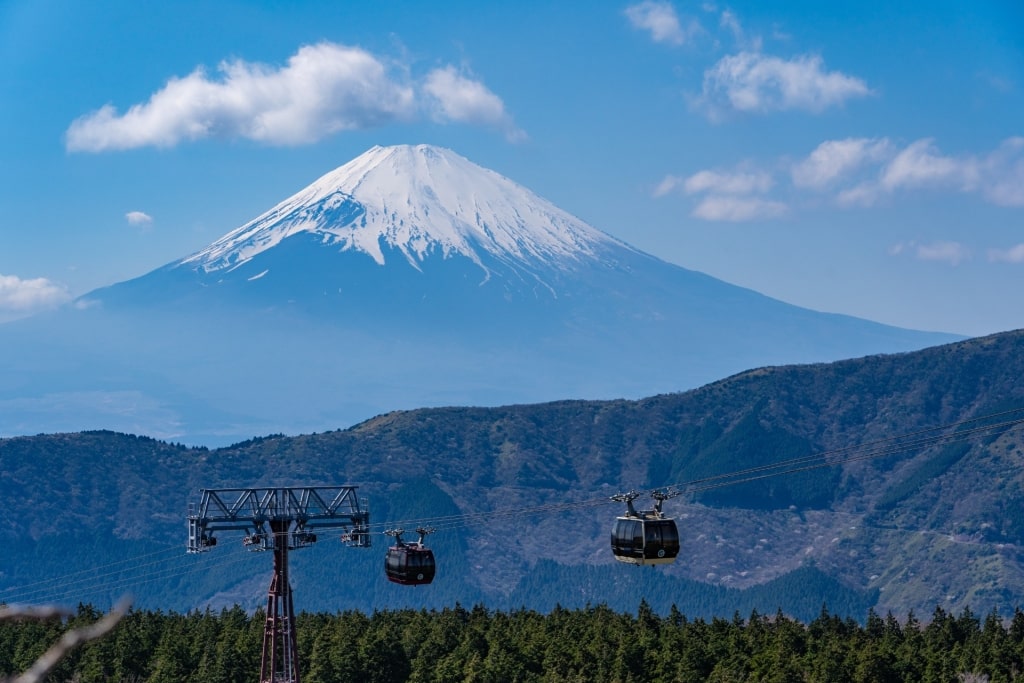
(280,519)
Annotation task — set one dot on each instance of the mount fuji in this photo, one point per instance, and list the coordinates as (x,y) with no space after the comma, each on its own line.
(407,277)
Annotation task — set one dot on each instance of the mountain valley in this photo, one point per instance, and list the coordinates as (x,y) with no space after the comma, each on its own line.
(897,524)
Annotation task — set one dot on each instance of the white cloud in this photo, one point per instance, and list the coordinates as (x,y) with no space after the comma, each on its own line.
(23,297)
(860,171)
(834,159)
(464,100)
(727,194)
(1002,174)
(952,253)
(864,194)
(728,183)
(138,218)
(661,20)
(863,172)
(919,165)
(1014,254)
(323,89)
(730,22)
(736,208)
(738,182)
(669,184)
(754,82)
(997,177)
(86,304)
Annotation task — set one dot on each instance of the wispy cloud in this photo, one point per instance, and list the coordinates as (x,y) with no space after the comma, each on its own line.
(22,297)
(950,252)
(727,194)
(998,176)
(953,253)
(1014,254)
(864,194)
(1001,176)
(716,182)
(731,23)
(661,21)
(668,185)
(738,182)
(748,80)
(835,159)
(738,208)
(138,218)
(753,82)
(858,172)
(461,99)
(920,165)
(322,90)
(997,82)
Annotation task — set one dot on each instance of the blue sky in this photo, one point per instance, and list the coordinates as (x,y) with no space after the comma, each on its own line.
(860,158)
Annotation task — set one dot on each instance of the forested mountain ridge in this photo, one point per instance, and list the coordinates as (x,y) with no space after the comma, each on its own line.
(940,525)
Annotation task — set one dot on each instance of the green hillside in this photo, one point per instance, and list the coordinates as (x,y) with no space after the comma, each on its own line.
(939,524)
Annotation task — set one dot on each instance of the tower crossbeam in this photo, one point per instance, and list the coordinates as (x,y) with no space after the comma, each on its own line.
(279,519)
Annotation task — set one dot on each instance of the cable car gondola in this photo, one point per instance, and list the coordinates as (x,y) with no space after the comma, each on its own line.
(410,564)
(645,537)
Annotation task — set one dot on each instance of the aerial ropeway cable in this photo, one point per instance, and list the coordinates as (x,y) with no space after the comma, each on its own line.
(60,589)
(869,450)
(167,563)
(648,537)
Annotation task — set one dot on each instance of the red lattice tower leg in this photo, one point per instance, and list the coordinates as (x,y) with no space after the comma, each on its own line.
(280,663)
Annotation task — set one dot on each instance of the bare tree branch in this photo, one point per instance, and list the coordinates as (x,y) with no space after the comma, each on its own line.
(67,642)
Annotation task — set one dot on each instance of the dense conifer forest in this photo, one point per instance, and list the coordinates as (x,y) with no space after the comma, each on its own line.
(590,644)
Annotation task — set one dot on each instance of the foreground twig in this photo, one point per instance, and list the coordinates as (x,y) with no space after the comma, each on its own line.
(67,642)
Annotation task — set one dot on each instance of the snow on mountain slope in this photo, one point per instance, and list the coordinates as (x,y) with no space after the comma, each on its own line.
(408,277)
(418,200)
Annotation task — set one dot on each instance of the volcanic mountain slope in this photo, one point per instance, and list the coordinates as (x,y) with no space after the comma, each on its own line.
(407,277)
(358,234)
(520,497)
(419,201)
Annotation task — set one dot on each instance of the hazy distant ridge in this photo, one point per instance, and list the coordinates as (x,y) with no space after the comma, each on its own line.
(407,277)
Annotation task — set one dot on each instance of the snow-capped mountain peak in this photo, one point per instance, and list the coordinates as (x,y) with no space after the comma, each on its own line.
(420,200)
